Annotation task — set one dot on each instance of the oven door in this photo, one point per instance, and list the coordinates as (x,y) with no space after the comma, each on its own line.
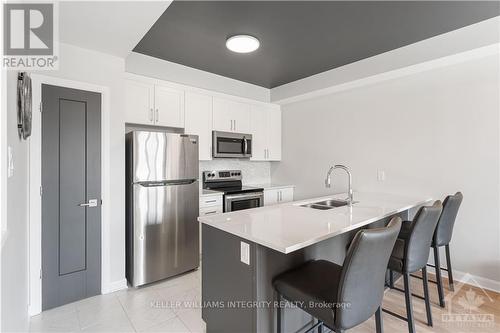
(226,144)
(234,202)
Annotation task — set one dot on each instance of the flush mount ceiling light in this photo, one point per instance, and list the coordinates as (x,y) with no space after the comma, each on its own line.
(242,43)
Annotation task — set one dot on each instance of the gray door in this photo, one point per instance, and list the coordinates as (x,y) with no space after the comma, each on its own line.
(71,177)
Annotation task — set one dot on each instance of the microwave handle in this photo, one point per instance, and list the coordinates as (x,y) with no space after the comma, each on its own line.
(245,145)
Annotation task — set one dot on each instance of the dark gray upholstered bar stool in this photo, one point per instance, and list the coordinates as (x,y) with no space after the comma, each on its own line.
(442,237)
(342,296)
(410,255)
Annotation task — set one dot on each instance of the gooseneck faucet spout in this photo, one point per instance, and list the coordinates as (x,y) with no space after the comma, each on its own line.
(328,180)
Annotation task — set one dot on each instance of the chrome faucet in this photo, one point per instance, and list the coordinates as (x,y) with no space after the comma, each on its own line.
(328,181)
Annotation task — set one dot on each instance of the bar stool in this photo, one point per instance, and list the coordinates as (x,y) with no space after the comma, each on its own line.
(442,237)
(410,255)
(342,297)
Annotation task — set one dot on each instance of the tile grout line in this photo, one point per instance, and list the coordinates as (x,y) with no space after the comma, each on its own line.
(126,314)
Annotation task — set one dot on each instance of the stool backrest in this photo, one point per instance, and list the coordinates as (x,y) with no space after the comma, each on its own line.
(444,229)
(361,287)
(419,241)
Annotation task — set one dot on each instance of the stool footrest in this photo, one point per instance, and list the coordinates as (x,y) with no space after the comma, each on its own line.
(394,314)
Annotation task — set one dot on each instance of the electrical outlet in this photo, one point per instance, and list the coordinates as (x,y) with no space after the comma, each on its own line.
(380,175)
(245,253)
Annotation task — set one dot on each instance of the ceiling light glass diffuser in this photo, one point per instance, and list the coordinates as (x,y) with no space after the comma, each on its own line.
(242,43)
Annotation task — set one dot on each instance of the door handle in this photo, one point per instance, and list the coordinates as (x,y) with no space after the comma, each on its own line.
(151,115)
(235,124)
(281,196)
(91,203)
(157,116)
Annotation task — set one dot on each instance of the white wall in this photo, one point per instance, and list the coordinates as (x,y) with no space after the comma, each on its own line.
(14,274)
(433,133)
(141,64)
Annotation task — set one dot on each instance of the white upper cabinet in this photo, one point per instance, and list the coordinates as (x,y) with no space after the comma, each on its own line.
(139,107)
(150,104)
(231,116)
(258,128)
(274,135)
(169,106)
(198,120)
(154,102)
(266,133)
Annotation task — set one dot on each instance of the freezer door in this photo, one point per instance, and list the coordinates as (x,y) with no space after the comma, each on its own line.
(165,231)
(158,156)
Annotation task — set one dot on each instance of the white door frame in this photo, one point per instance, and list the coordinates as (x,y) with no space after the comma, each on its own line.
(35,183)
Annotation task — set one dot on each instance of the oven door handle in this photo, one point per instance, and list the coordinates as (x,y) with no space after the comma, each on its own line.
(243,196)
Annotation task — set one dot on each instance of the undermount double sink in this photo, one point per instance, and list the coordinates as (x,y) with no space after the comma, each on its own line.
(326,204)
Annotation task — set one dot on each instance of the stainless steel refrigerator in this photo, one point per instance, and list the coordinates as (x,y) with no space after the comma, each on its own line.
(162,232)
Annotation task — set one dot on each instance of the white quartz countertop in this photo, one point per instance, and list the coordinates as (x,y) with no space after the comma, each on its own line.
(289,227)
(205,192)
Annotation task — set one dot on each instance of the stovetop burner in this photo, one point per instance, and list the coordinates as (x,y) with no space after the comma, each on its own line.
(227,181)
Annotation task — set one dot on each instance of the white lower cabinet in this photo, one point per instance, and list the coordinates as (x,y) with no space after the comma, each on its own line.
(273,196)
(210,205)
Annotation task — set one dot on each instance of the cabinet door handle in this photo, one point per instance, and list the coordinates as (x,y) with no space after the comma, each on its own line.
(151,115)
(157,116)
(281,196)
(211,212)
(278,196)
(235,124)
(231,124)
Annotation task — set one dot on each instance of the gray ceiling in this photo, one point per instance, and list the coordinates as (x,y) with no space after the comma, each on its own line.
(298,39)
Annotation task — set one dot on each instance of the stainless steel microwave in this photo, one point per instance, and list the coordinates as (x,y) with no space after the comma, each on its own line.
(228,144)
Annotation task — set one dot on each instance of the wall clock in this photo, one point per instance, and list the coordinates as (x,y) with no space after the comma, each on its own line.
(24,105)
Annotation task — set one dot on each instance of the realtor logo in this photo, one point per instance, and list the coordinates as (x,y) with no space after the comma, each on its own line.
(29,33)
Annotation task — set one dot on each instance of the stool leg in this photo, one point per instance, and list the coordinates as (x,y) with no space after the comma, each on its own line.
(409,307)
(448,266)
(278,315)
(378,320)
(426,296)
(439,281)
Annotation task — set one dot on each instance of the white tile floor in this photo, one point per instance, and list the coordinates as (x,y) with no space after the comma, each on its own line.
(168,306)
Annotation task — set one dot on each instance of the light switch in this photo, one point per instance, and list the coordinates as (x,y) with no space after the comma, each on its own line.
(245,253)
(380,175)
(10,162)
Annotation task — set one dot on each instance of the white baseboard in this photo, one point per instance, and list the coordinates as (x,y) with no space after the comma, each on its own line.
(115,286)
(484,283)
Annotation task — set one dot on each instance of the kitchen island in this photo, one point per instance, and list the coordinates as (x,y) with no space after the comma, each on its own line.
(244,250)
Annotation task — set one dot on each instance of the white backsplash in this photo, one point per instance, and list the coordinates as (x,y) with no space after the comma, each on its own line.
(252,172)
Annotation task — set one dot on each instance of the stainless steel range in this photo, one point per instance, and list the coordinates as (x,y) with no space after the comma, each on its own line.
(236,196)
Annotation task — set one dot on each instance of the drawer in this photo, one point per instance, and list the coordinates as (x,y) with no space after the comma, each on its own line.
(213,200)
(211,210)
